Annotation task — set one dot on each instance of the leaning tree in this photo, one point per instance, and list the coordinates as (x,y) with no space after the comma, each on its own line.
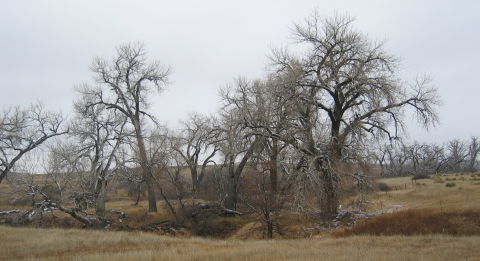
(24,129)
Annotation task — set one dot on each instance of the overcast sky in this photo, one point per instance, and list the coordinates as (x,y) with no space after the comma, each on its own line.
(46,48)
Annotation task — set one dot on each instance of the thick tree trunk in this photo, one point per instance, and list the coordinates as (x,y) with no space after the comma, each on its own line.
(329,201)
(195,181)
(147,173)
(269,229)
(231,198)
(100,200)
(152,199)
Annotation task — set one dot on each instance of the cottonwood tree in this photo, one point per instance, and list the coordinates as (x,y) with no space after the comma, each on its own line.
(24,129)
(457,153)
(348,85)
(98,133)
(236,147)
(197,144)
(124,84)
(263,110)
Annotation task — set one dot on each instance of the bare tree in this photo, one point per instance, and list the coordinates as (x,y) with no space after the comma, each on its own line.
(22,130)
(64,171)
(457,153)
(128,172)
(197,144)
(98,133)
(397,158)
(166,160)
(473,150)
(349,85)
(425,159)
(236,146)
(124,85)
(262,109)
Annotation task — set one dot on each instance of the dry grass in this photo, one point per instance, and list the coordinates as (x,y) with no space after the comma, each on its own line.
(419,222)
(428,193)
(426,206)
(58,244)
(435,208)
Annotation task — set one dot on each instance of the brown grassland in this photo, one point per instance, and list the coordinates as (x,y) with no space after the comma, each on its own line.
(426,220)
(74,244)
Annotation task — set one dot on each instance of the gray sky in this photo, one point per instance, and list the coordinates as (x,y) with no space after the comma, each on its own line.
(46,48)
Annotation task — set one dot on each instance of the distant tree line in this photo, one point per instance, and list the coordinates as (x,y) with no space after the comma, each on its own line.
(398,159)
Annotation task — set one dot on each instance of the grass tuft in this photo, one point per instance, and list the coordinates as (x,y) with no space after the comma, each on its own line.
(450,185)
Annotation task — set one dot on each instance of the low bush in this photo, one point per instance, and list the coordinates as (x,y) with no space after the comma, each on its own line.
(382,186)
(450,185)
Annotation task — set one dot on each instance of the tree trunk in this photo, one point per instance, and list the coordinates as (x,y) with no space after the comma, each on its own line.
(139,192)
(274,166)
(329,199)
(234,175)
(146,169)
(100,200)
(3,174)
(195,181)
(269,229)
(231,198)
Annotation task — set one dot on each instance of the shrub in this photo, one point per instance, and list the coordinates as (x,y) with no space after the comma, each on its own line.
(450,185)
(382,186)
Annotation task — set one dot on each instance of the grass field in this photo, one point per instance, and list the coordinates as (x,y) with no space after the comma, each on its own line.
(60,244)
(455,208)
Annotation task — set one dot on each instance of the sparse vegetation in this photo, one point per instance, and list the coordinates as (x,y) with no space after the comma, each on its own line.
(300,155)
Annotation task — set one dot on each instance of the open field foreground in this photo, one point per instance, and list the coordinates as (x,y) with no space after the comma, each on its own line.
(72,244)
(420,218)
